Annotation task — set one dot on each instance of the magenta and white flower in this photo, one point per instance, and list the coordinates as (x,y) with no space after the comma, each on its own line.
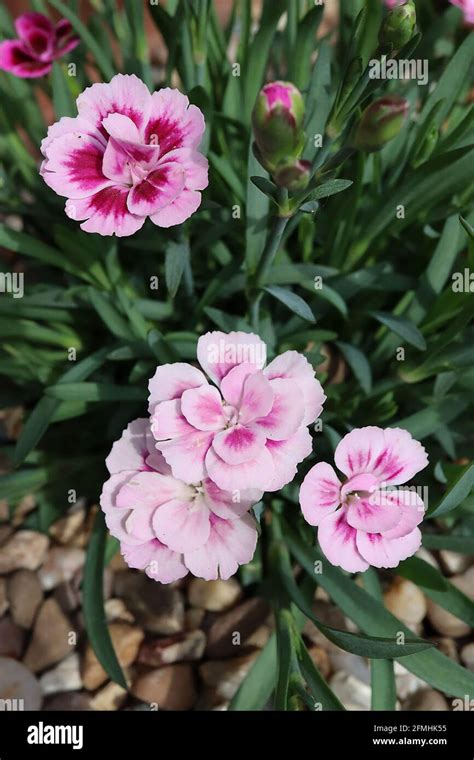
(39,44)
(126,156)
(167,527)
(245,429)
(364,520)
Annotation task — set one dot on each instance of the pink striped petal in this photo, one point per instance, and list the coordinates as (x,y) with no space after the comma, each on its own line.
(231,543)
(219,352)
(30,22)
(149,490)
(184,206)
(173,122)
(158,190)
(320,493)
(202,408)
(229,504)
(68,125)
(169,422)
(412,511)
(372,516)
(74,167)
(338,542)
(125,132)
(186,455)
(106,213)
(286,455)
(195,165)
(392,455)
(238,444)
(287,412)
(125,94)
(292,365)
(182,525)
(16,59)
(258,473)
(171,380)
(116,164)
(380,551)
(258,398)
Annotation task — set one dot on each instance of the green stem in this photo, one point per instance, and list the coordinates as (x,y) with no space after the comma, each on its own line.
(271,248)
(384,693)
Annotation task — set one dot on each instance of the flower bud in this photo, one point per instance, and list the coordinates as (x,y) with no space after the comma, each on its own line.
(398,27)
(277,120)
(381,122)
(293,176)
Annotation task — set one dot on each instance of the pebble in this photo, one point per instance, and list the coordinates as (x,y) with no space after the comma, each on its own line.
(448,647)
(467,655)
(50,641)
(321,659)
(354,695)
(68,596)
(229,630)
(442,620)
(187,647)
(23,508)
(330,615)
(4,603)
(168,688)
(17,683)
(405,600)
(427,700)
(25,595)
(62,564)
(110,697)
(193,618)
(64,677)
(227,675)
(115,610)
(156,608)
(12,638)
(75,701)
(259,637)
(126,640)
(25,550)
(66,528)
(407,683)
(214,596)
(455,563)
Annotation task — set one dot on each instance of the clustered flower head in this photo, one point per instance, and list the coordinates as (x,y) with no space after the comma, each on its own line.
(365,520)
(127,155)
(182,482)
(39,44)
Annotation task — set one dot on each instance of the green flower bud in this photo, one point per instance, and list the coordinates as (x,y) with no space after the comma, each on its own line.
(277,120)
(294,175)
(381,122)
(398,27)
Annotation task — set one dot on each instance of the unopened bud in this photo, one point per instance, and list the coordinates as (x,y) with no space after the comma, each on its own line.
(381,122)
(399,26)
(293,176)
(277,120)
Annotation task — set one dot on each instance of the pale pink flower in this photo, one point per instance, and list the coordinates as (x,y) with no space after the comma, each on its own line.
(39,43)
(364,520)
(393,3)
(246,430)
(126,156)
(167,527)
(467,7)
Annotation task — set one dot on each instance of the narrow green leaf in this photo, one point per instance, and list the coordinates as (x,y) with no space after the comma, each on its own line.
(257,687)
(177,255)
(93,603)
(382,675)
(358,364)
(63,100)
(460,544)
(456,494)
(294,302)
(94,392)
(402,327)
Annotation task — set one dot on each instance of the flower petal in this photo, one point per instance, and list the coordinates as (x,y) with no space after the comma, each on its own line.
(74,166)
(202,408)
(373,514)
(173,123)
(229,504)
(292,365)
(168,421)
(258,473)
(338,543)
(187,202)
(151,489)
(183,525)
(125,94)
(320,493)
(219,352)
(258,398)
(186,455)
(392,455)
(160,563)
(411,508)
(286,455)
(171,380)
(16,59)
(286,414)
(158,190)
(380,551)
(106,213)
(238,444)
(231,543)
(130,451)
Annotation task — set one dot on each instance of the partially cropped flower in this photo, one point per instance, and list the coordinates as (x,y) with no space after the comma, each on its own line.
(467,7)
(167,527)
(39,44)
(364,520)
(277,121)
(381,122)
(128,155)
(393,3)
(294,176)
(249,428)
